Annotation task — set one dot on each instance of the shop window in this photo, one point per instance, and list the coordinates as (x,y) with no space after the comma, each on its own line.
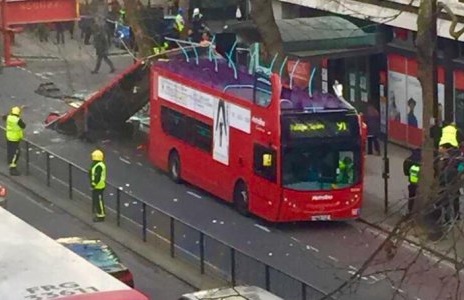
(265,162)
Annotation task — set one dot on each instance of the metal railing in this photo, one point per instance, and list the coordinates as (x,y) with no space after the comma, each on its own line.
(163,230)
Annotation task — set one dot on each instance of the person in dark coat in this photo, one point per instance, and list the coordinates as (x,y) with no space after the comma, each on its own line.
(198,26)
(59,27)
(102,45)
(435,134)
(411,168)
(373,129)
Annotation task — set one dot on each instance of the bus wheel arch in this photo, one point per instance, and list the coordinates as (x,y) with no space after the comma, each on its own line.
(174,166)
(241,197)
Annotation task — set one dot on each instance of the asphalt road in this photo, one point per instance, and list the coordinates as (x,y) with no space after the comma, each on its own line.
(149,279)
(323,254)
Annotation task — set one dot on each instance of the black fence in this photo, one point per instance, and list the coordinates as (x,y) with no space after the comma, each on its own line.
(162,230)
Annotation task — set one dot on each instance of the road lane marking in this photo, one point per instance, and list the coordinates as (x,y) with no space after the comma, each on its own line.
(295,239)
(312,248)
(30,199)
(397,289)
(352,268)
(262,227)
(140,164)
(194,195)
(124,160)
(333,258)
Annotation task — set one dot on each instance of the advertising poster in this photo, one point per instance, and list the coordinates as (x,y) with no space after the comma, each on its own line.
(414,104)
(221,134)
(405,90)
(383,102)
(441,101)
(397,96)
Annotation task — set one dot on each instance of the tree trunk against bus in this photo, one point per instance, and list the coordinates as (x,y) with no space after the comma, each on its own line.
(263,17)
(427,72)
(143,41)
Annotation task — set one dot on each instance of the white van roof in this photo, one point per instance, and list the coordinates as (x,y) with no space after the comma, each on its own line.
(233,293)
(34,266)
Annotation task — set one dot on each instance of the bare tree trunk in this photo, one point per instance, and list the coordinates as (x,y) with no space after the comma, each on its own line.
(143,41)
(99,9)
(263,17)
(427,72)
(185,5)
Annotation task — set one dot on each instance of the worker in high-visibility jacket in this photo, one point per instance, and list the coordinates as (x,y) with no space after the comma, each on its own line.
(97,174)
(179,23)
(449,136)
(14,134)
(411,168)
(345,171)
(159,49)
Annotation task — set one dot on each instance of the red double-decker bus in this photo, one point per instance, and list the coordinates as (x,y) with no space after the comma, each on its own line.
(272,151)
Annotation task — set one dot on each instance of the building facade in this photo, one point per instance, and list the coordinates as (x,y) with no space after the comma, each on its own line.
(390,78)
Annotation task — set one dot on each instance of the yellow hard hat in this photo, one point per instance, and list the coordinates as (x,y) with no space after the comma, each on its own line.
(97,155)
(16,110)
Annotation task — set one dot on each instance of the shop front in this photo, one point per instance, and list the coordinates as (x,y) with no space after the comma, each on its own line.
(405,104)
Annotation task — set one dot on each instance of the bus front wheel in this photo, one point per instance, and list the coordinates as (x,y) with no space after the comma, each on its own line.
(174,167)
(241,198)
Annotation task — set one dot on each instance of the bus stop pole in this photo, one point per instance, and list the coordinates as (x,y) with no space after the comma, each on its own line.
(386,160)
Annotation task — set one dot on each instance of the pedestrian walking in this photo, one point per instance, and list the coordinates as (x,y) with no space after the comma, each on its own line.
(102,45)
(14,135)
(59,27)
(373,130)
(411,169)
(97,176)
(435,133)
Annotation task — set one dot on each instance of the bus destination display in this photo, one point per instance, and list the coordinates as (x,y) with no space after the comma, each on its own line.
(298,128)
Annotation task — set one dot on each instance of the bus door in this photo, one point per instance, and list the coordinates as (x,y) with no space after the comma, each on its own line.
(264,190)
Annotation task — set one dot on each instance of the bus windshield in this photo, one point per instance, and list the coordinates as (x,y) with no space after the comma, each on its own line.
(322,166)
(320,151)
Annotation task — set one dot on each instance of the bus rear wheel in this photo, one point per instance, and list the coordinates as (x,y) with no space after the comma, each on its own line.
(241,200)
(174,167)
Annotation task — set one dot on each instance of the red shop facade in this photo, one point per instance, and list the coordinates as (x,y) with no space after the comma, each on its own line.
(401,91)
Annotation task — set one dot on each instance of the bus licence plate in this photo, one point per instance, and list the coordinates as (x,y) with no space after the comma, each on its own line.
(321,218)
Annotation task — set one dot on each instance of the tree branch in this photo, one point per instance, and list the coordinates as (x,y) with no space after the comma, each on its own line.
(454,20)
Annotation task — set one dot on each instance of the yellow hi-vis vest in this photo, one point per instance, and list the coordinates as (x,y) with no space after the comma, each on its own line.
(414,174)
(102,183)
(160,49)
(179,24)
(449,136)
(14,133)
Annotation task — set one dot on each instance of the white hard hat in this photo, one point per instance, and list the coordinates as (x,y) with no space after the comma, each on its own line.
(196,11)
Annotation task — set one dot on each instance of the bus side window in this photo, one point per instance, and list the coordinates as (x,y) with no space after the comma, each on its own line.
(264,162)
(203,136)
(176,124)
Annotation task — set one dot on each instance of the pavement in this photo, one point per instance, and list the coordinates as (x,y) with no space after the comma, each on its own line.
(450,247)
(323,254)
(55,222)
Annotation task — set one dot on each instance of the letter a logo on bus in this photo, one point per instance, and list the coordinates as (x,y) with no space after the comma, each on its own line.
(221,133)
